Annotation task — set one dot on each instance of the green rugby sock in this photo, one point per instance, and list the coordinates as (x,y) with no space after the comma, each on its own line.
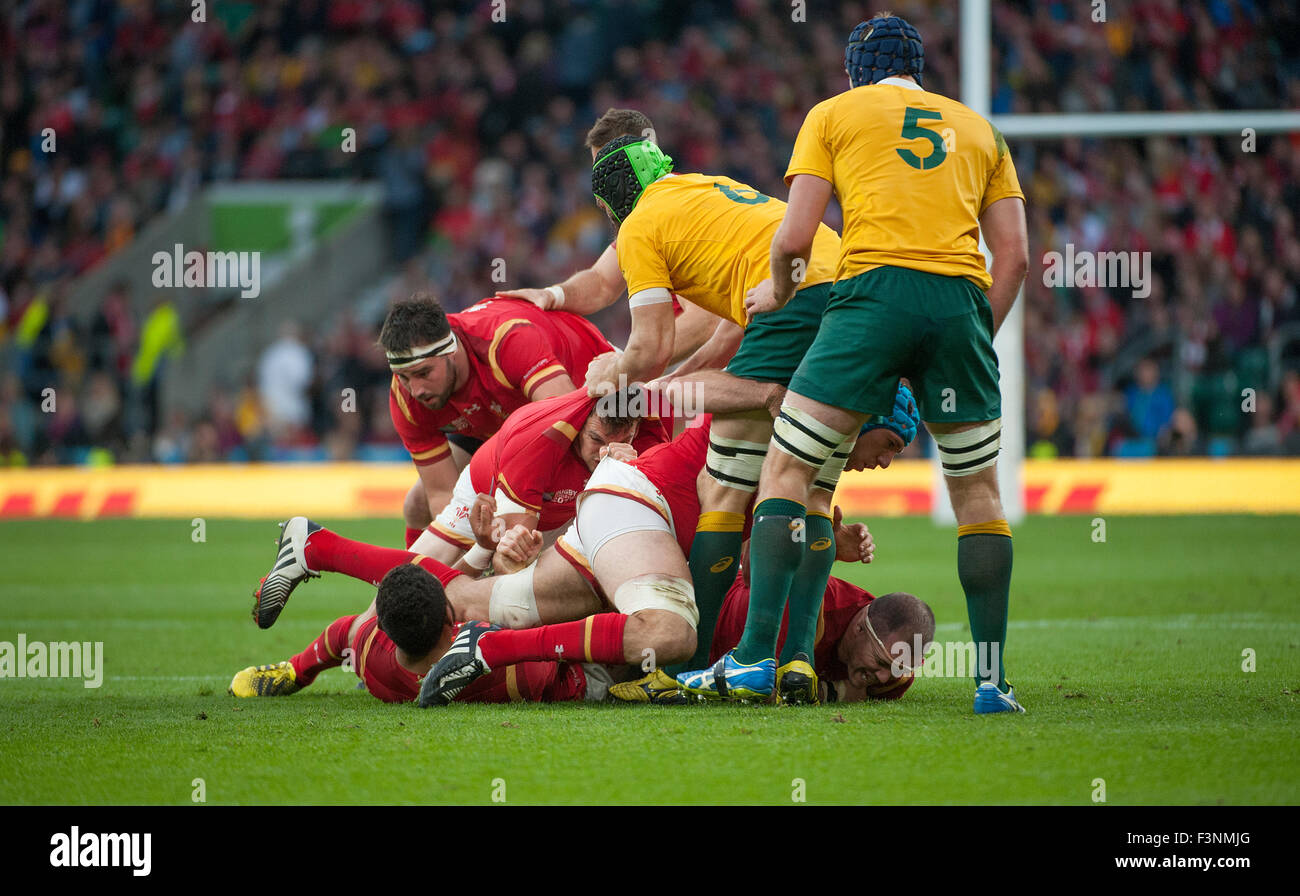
(776,548)
(808,588)
(984,568)
(715,556)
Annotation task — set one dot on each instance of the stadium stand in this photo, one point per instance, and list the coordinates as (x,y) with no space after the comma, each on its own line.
(473,131)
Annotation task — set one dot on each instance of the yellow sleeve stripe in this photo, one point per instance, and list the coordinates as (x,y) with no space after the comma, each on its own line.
(721,521)
(568,429)
(431,453)
(586,638)
(992,527)
(501,481)
(492,350)
(544,374)
(512,684)
(817,513)
(401,402)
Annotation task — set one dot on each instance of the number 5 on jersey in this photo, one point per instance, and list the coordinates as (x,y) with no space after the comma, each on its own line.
(912,130)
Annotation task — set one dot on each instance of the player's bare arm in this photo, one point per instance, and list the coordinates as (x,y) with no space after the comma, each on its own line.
(693,327)
(718,392)
(717,350)
(1003,228)
(437,480)
(809,196)
(585,292)
(647,354)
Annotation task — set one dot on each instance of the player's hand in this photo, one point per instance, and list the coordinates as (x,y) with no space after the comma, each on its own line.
(761,299)
(853,543)
(600,380)
(619,451)
(539,297)
(518,547)
(482,520)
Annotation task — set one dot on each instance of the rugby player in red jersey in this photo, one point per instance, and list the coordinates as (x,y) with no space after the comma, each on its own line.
(629,541)
(535,467)
(463,374)
(855,651)
(392,645)
(634,533)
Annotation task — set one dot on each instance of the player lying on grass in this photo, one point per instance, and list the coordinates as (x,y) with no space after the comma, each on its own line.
(629,542)
(394,643)
(855,649)
(465,373)
(535,466)
(636,566)
(412,622)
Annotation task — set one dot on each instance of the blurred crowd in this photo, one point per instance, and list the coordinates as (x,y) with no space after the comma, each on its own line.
(474,127)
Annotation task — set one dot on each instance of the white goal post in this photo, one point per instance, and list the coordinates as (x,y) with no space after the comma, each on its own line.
(975,23)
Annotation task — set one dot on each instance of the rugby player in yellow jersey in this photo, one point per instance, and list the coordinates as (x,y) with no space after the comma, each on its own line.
(706,238)
(919,177)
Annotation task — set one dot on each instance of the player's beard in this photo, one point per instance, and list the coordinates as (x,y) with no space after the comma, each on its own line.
(438,401)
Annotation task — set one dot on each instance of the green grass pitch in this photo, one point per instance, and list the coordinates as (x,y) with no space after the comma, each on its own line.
(1128,655)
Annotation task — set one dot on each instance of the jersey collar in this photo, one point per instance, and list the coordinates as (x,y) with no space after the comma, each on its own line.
(899,82)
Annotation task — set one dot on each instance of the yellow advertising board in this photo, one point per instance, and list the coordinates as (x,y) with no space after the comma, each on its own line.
(349,490)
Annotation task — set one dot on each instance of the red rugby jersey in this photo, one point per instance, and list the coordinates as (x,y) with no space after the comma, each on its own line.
(532,458)
(513,347)
(375,659)
(673,468)
(841,604)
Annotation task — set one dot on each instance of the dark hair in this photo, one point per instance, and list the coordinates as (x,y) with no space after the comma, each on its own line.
(412,608)
(419,320)
(900,615)
(617,123)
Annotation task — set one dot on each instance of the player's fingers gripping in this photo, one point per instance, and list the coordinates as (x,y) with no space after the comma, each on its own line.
(481,515)
(598,380)
(619,451)
(539,297)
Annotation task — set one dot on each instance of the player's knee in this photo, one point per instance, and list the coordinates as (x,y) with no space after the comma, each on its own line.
(668,635)
(805,452)
(734,465)
(971,451)
(513,602)
(415,508)
(662,616)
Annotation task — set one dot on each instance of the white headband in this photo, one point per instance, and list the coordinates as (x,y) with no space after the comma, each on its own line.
(413,356)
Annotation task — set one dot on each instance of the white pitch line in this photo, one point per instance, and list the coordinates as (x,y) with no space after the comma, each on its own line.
(1218,622)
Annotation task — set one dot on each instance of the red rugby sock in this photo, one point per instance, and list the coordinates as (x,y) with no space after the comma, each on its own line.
(328,551)
(596,639)
(412,535)
(326,652)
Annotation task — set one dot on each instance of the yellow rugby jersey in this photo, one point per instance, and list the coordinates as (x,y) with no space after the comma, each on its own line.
(913,171)
(709,239)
